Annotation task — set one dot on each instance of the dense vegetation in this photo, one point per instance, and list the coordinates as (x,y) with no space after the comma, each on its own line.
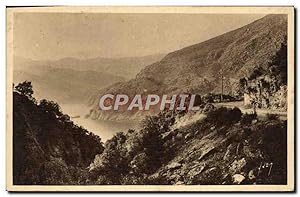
(129,157)
(48,148)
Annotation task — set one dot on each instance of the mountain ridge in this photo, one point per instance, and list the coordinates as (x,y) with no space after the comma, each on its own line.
(196,69)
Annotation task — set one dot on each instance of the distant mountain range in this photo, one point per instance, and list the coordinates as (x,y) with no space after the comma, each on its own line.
(126,67)
(70,80)
(198,68)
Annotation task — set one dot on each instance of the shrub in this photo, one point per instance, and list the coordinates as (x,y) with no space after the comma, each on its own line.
(236,114)
(224,116)
(50,107)
(248,118)
(208,108)
(272,116)
(25,89)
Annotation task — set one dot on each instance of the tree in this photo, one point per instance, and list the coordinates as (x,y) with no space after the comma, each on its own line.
(152,129)
(25,89)
(50,107)
(112,164)
(256,73)
(278,66)
(224,116)
(241,87)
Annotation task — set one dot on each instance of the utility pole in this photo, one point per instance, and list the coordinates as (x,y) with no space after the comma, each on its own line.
(222,88)
(222,84)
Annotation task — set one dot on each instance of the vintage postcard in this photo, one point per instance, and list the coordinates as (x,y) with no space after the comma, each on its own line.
(173,99)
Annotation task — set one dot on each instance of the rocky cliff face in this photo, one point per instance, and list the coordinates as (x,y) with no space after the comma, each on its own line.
(267,87)
(197,69)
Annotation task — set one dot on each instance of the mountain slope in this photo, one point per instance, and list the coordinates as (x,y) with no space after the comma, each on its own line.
(47,147)
(196,69)
(223,147)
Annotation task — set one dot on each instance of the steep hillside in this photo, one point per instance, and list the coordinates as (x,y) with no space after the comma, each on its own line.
(47,147)
(226,150)
(223,147)
(196,69)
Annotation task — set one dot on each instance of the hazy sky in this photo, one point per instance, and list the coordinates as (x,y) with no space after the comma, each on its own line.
(58,35)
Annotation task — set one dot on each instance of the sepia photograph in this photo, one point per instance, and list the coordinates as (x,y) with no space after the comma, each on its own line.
(163,99)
